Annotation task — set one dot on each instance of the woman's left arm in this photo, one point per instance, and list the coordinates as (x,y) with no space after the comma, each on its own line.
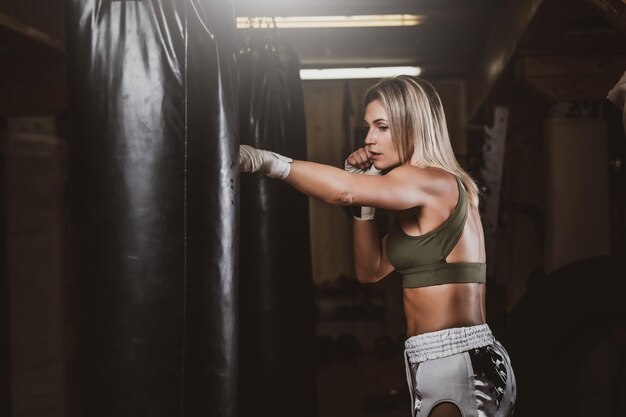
(324,182)
(393,191)
(399,189)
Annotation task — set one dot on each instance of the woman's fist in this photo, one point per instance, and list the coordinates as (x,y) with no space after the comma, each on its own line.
(358,160)
(269,163)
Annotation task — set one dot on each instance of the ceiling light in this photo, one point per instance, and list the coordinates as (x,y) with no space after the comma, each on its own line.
(289,22)
(349,73)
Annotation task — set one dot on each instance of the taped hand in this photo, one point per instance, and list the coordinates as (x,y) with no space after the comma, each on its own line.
(269,163)
(359,163)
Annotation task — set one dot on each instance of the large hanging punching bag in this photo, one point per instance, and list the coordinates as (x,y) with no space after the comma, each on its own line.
(277,368)
(154,200)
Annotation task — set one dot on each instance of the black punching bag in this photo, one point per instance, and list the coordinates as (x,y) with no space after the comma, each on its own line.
(277,362)
(154,208)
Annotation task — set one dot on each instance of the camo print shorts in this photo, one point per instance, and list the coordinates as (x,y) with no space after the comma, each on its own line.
(465,366)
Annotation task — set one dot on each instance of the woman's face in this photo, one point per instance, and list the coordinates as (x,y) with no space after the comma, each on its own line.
(381,149)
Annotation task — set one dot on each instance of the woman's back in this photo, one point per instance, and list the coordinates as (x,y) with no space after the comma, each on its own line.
(436,307)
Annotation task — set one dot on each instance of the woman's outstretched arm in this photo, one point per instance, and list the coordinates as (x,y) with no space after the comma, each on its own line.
(393,191)
(397,190)
(324,182)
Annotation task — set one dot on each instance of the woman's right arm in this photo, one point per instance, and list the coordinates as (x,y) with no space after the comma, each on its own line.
(370,257)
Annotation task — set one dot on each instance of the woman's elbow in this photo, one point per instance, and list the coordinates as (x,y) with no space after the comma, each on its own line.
(339,198)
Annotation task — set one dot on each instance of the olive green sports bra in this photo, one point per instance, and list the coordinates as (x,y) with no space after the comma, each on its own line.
(421,260)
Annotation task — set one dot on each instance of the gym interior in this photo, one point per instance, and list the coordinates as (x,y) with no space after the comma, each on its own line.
(142,275)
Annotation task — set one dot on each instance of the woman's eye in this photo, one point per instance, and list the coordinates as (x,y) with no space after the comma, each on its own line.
(383,128)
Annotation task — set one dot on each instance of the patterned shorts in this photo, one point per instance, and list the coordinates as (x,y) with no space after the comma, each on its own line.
(465,366)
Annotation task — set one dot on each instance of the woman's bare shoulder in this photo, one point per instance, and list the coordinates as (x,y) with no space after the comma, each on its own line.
(431,181)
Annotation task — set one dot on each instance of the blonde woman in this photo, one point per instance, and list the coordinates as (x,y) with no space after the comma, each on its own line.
(454,365)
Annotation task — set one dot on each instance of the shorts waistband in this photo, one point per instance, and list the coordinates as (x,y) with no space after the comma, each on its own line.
(442,343)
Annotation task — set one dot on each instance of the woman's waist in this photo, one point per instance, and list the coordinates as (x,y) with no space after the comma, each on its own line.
(446,342)
(419,327)
(439,307)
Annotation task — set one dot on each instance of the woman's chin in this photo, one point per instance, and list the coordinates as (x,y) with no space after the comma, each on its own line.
(382,166)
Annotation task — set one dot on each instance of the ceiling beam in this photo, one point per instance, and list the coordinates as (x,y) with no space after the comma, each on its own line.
(504,35)
(614,11)
(353,7)
(30,32)
(572,77)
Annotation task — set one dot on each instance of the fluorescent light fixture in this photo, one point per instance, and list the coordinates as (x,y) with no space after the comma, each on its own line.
(289,22)
(351,73)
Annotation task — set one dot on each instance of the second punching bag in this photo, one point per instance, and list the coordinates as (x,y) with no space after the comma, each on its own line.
(277,355)
(153,208)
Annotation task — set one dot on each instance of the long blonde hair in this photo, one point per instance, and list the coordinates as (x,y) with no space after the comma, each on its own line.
(418,126)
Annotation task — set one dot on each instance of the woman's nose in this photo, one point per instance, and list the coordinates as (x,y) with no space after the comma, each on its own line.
(369,139)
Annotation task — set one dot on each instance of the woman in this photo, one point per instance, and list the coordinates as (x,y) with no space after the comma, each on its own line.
(455,367)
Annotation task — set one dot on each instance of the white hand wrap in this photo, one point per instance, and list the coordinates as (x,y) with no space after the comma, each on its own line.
(269,163)
(362,212)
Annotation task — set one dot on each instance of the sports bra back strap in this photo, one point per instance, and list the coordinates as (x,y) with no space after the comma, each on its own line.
(454,232)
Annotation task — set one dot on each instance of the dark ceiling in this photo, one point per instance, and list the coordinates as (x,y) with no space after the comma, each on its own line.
(568,49)
(444,45)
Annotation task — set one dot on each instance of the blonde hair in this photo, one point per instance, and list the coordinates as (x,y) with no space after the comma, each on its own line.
(418,127)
